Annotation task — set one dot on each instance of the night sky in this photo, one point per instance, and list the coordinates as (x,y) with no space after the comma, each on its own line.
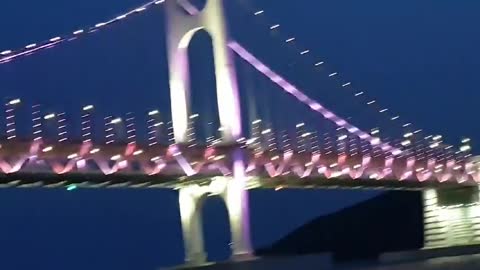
(419,59)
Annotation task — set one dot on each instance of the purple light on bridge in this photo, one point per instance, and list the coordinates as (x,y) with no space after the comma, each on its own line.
(290,88)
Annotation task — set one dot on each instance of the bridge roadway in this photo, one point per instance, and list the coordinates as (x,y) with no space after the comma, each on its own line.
(37,164)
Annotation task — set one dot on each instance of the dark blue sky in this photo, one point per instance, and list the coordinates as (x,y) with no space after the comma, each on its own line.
(417,58)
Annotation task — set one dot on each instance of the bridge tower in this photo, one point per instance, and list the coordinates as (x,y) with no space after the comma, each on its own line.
(183,21)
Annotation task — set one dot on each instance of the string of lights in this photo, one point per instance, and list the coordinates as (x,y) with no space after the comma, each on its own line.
(153,127)
(86,123)
(315,106)
(320,65)
(130,126)
(430,147)
(336,147)
(8,55)
(37,128)
(109,128)
(293,43)
(268,135)
(62,127)
(10,123)
(54,127)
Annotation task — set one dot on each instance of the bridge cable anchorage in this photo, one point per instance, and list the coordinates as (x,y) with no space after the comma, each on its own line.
(320,65)
(9,55)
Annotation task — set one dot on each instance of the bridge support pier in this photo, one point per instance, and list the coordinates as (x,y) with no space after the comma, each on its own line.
(236,199)
(451,217)
(191,199)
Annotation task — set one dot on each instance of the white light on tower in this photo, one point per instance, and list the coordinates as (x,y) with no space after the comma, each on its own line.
(62,127)
(116,121)
(88,108)
(49,116)
(170,133)
(109,132)
(36,122)
(87,123)
(406,143)
(315,143)
(256,134)
(10,122)
(131,131)
(154,126)
(14,101)
(465,148)
(300,130)
(191,136)
(271,141)
(434,145)
(154,112)
(116,157)
(47,149)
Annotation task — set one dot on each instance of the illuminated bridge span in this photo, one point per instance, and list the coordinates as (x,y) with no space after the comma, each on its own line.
(67,163)
(324,150)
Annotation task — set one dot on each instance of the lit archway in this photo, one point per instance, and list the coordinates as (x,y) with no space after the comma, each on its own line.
(181,29)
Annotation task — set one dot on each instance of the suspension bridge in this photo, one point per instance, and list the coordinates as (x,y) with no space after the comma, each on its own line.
(330,153)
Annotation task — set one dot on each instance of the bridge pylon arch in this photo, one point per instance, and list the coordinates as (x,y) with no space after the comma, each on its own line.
(191,200)
(181,26)
(180,29)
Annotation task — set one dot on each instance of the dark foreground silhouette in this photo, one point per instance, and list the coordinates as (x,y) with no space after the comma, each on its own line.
(389,222)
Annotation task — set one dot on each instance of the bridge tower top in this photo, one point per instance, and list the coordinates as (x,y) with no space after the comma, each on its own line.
(183,21)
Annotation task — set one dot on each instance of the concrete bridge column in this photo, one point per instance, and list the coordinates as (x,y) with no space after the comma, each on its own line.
(182,23)
(451,217)
(232,191)
(190,200)
(236,199)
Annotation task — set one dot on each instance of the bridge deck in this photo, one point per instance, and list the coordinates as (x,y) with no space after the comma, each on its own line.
(34,164)
(48,180)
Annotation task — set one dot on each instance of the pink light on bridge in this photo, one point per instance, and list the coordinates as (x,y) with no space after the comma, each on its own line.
(183,161)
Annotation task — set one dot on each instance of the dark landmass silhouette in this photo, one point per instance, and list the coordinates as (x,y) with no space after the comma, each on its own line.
(392,221)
